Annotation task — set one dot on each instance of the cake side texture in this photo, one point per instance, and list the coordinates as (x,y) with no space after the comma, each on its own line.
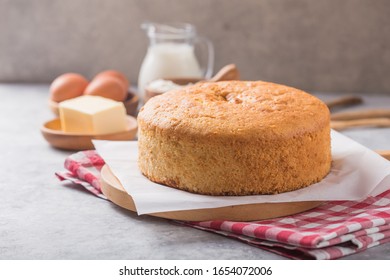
(235,138)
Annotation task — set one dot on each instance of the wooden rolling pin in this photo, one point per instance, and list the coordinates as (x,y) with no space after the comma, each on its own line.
(384,153)
(368,117)
(361,114)
(344,101)
(374,122)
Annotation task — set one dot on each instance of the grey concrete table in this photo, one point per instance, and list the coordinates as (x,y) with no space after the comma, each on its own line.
(41,218)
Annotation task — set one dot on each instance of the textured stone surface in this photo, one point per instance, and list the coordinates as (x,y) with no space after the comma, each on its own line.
(325,45)
(41,218)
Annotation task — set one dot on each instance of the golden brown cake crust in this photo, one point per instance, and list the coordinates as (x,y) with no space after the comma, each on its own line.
(235,138)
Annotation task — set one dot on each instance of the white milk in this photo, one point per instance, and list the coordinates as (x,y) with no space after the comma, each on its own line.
(168,60)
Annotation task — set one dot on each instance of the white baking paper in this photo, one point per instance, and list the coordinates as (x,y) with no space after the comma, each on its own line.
(356,173)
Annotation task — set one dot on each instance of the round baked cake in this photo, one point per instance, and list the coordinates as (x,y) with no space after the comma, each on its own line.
(235,138)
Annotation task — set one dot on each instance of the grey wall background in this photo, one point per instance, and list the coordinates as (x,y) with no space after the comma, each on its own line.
(323,45)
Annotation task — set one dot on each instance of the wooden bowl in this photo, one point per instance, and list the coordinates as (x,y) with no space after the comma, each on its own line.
(131,104)
(227,73)
(149,93)
(53,134)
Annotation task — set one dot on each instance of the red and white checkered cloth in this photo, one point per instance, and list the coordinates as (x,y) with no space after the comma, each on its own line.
(330,231)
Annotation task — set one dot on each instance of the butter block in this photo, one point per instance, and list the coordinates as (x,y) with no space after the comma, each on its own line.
(92,115)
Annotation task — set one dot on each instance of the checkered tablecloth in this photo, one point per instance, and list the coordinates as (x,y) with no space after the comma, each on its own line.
(330,231)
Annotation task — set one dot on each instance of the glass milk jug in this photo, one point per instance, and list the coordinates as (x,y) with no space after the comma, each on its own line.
(171,54)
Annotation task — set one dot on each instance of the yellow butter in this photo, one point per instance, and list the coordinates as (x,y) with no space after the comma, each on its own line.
(92,115)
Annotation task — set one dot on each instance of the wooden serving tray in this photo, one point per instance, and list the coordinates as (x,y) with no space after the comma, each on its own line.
(114,191)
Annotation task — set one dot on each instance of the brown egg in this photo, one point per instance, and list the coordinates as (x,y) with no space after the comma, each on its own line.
(67,86)
(106,86)
(117,74)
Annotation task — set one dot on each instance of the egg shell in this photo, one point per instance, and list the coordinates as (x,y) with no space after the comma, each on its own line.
(117,74)
(67,86)
(107,86)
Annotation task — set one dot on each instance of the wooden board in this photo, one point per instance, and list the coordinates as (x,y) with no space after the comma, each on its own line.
(114,191)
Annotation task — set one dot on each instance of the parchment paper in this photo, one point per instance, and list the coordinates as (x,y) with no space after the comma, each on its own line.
(356,173)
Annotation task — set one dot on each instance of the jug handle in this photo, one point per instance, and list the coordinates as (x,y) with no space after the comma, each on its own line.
(210,56)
